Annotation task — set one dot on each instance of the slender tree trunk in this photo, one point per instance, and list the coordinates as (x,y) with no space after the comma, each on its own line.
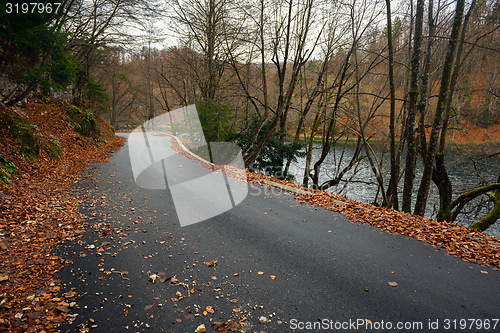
(441,178)
(424,87)
(423,190)
(310,147)
(312,97)
(412,109)
(393,185)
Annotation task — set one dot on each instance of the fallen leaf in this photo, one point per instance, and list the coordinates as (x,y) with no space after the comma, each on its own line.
(4,277)
(209,309)
(218,325)
(484,272)
(392,284)
(273,277)
(148,307)
(200,329)
(211,263)
(260,273)
(232,325)
(62,308)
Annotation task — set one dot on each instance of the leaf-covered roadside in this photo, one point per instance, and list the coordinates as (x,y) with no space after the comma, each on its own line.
(36,211)
(471,245)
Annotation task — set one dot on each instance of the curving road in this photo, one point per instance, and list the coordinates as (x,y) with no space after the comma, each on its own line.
(304,269)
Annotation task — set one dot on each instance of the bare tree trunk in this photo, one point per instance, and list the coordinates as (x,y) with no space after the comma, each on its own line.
(310,147)
(393,184)
(312,97)
(423,190)
(412,109)
(440,175)
(424,87)
(294,53)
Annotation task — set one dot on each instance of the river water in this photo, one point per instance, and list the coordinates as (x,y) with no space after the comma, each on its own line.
(361,185)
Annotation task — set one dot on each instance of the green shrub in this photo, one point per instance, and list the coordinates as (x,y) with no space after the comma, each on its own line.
(55,150)
(26,136)
(83,122)
(9,171)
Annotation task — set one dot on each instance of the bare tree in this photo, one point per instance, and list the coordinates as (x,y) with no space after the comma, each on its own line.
(412,108)
(440,109)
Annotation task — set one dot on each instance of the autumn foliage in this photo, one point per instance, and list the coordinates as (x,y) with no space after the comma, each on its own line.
(37,210)
(468,244)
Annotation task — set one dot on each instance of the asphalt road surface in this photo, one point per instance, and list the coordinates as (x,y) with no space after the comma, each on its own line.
(303,269)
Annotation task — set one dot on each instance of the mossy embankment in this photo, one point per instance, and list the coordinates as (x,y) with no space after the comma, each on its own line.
(44,146)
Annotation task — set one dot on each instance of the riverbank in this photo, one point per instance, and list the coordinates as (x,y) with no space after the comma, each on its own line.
(469,136)
(457,240)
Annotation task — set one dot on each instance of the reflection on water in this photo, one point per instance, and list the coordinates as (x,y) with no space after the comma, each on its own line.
(361,185)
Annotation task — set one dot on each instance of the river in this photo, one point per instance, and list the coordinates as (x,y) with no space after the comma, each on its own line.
(362,184)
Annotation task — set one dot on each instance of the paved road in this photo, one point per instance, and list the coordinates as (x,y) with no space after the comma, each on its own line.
(317,268)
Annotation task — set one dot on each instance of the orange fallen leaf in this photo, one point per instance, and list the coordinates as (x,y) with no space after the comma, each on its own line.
(211,263)
(260,273)
(273,277)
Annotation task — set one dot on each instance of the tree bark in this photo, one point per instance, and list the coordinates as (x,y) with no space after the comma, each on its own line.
(423,190)
(492,216)
(440,175)
(393,184)
(412,109)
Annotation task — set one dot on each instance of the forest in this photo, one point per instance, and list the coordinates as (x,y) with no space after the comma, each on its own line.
(401,83)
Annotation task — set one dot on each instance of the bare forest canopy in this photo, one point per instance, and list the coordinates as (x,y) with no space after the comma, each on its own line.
(401,82)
